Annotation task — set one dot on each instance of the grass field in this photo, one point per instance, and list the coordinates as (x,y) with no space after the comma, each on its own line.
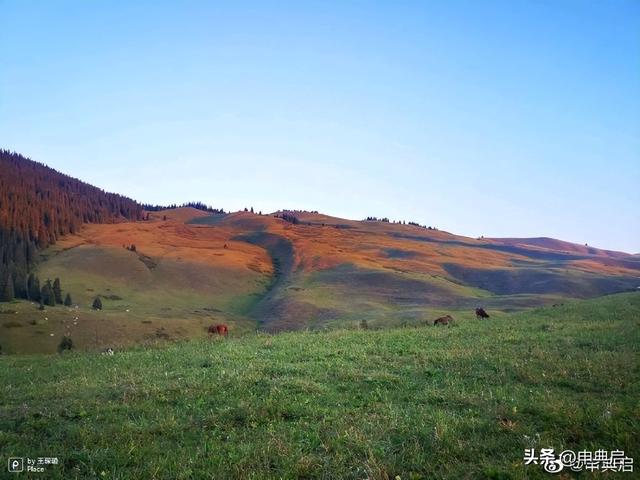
(419,402)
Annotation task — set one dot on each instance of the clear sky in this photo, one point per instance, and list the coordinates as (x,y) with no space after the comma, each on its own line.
(515,118)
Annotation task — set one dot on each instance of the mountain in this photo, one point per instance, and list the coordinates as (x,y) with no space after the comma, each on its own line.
(169,273)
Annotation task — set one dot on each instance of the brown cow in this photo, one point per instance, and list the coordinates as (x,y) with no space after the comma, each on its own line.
(443,320)
(221,330)
(480,313)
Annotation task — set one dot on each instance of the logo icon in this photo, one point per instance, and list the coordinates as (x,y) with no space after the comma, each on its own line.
(16,465)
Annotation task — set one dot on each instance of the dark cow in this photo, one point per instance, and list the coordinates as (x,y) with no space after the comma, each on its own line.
(480,313)
(443,320)
(221,330)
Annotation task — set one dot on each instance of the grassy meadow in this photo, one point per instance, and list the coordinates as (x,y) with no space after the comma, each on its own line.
(415,402)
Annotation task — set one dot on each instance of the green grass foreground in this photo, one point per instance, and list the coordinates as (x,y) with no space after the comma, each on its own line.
(428,402)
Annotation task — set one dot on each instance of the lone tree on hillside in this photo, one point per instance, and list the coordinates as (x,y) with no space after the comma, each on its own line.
(57,291)
(97,304)
(67,300)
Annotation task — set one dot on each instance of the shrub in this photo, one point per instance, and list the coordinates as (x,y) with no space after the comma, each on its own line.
(97,304)
(65,344)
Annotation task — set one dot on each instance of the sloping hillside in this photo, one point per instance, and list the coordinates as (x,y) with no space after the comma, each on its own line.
(335,270)
(190,269)
(554,245)
(429,402)
(39,205)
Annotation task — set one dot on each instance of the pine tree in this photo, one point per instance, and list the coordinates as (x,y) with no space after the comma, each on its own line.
(33,285)
(97,304)
(67,300)
(30,279)
(44,295)
(7,293)
(57,291)
(52,298)
(20,279)
(47,294)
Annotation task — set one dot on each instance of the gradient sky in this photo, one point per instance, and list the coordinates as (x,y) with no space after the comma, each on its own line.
(479,117)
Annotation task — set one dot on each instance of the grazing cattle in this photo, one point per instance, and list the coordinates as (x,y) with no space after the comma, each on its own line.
(221,329)
(443,320)
(480,313)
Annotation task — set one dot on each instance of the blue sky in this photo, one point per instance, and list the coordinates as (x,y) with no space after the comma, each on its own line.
(481,118)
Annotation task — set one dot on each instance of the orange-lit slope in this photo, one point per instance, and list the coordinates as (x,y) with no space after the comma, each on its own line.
(248,268)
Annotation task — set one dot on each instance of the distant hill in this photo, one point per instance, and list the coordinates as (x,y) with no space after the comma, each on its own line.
(560,246)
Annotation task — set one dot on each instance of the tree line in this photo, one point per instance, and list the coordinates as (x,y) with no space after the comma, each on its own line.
(398,222)
(47,294)
(197,205)
(289,217)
